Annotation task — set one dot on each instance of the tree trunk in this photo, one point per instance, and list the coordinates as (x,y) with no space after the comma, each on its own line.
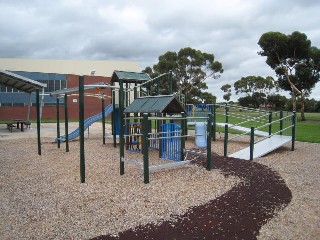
(303,118)
(294,101)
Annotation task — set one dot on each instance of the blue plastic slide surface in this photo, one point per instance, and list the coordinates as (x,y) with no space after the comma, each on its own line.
(87,123)
(201,141)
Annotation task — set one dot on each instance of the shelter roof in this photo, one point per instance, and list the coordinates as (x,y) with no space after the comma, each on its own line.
(156,104)
(18,82)
(129,77)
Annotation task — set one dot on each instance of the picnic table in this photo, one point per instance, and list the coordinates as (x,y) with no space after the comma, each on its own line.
(20,124)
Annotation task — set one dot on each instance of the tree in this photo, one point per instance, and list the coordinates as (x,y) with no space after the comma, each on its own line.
(208,98)
(190,69)
(294,60)
(245,101)
(227,89)
(278,101)
(256,89)
(250,84)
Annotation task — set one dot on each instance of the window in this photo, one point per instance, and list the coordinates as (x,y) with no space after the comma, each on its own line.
(3,88)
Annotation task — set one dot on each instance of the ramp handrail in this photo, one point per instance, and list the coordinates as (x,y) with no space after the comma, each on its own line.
(252,134)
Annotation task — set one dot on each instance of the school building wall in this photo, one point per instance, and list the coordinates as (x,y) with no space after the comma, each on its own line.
(57,74)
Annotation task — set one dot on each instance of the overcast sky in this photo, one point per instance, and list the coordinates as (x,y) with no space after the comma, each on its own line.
(142,30)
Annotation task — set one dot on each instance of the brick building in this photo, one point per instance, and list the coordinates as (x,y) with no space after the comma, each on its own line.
(57,74)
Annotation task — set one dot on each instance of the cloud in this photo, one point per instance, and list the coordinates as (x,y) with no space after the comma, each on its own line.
(142,30)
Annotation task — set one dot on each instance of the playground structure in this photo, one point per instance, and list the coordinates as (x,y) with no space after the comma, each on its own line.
(161,122)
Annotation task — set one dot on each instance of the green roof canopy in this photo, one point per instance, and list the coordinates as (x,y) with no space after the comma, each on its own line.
(129,77)
(156,104)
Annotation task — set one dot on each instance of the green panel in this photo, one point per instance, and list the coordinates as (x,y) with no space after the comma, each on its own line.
(129,76)
(159,104)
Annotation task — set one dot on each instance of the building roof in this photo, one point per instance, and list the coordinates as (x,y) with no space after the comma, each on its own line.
(156,104)
(20,83)
(129,77)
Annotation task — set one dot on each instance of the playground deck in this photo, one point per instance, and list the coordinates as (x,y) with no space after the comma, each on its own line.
(263,147)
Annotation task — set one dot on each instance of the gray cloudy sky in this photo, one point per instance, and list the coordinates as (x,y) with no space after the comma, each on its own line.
(142,30)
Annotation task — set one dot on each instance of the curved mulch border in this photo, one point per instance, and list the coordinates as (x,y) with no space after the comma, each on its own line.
(237,214)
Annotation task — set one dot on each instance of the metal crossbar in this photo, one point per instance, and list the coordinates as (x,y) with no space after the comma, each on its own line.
(168,165)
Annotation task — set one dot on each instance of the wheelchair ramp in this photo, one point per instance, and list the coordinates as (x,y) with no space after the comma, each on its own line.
(244,129)
(263,147)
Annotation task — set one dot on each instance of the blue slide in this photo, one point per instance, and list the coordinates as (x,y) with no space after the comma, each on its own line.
(87,123)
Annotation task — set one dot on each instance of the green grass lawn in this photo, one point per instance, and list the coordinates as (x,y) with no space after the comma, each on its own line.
(308,131)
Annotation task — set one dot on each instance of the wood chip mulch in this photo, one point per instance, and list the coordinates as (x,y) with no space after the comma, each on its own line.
(237,214)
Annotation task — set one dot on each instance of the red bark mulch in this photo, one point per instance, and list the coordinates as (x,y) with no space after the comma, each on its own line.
(237,214)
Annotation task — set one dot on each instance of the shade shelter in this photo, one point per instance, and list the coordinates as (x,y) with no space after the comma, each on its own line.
(23,84)
(27,85)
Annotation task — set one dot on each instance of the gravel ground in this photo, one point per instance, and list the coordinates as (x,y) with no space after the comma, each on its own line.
(41,197)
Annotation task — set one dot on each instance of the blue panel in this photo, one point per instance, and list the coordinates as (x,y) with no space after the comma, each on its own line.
(171,143)
(20,97)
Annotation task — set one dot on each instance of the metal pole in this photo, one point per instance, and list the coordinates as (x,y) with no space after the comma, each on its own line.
(29,108)
(214,122)
(183,141)
(38,121)
(81,128)
(251,143)
(170,82)
(270,121)
(225,152)
(293,130)
(66,121)
(209,131)
(103,122)
(58,121)
(42,103)
(113,120)
(145,149)
(281,122)
(226,111)
(121,109)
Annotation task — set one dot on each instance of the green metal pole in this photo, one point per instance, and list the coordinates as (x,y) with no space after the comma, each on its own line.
(38,121)
(214,122)
(225,152)
(58,121)
(209,137)
(135,91)
(114,119)
(183,133)
(103,122)
(251,143)
(227,109)
(145,149)
(66,121)
(281,122)
(293,130)
(270,121)
(81,128)
(121,113)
